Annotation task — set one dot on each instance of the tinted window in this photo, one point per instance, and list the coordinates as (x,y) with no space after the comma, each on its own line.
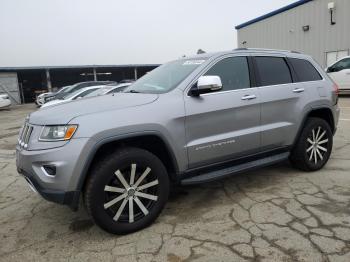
(118,90)
(304,70)
(341,65)
(273,71)
(234,73)
(85,93)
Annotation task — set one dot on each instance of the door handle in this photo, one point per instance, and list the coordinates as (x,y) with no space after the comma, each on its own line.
(248,97)
(298,90)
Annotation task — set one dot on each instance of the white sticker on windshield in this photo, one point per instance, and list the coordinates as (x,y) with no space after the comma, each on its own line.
(193,62)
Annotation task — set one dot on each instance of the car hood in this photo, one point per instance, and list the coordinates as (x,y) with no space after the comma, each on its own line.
(52,103)
(64,112)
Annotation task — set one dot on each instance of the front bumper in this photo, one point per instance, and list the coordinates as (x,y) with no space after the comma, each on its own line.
(69,198)
(68,160)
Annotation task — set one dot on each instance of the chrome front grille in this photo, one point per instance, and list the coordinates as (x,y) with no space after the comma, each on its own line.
(25,136)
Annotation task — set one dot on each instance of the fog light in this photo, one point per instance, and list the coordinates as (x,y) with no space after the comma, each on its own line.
(49,170)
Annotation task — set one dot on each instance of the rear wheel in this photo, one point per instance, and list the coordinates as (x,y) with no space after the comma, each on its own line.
(314,145)
(127,191)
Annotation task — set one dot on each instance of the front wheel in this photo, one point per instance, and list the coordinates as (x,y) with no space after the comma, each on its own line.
(314,145)
(127,190)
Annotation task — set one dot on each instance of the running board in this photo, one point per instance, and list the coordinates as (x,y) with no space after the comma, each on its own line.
(233,170)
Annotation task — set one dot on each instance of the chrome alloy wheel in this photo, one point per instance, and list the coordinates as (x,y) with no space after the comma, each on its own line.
(140,196)
(318,145)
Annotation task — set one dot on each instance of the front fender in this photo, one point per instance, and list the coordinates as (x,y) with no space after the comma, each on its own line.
(97,144)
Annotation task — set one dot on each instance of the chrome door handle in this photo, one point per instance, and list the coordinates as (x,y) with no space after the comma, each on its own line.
(298,90)
(248,97)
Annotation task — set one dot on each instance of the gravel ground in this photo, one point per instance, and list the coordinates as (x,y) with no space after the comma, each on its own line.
(272,214)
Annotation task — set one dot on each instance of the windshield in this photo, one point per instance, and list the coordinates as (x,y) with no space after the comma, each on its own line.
(100,91)
(70,95)
(166,77)
(67,91)
(63,89)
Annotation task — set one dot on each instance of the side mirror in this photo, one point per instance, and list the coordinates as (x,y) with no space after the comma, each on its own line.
(206,84)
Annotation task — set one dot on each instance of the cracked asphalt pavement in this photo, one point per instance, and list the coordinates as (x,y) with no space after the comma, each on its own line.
(272,214)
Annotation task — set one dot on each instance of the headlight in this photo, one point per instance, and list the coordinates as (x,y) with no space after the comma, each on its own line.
(57,133)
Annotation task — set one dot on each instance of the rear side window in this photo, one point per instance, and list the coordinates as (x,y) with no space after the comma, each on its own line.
(273,71)
(233,71)
(305,70)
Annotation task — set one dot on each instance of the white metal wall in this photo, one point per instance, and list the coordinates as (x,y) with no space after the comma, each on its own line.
(9,85)
(285,30)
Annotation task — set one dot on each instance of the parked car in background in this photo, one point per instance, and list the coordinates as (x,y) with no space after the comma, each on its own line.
(74,88)
(109,89)
(4,101)
(340,73)
(78,94)
(40,100)
(189,121)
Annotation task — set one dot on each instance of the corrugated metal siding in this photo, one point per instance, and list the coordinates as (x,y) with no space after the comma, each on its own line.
(284,31)
(9,85)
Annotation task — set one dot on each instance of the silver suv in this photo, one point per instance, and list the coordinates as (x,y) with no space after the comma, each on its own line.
(189,121)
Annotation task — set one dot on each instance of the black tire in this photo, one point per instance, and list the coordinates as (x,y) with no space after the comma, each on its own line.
(301,154)
(97,196)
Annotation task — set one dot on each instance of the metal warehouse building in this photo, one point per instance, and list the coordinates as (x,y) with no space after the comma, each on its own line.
(320,28)
(24,83)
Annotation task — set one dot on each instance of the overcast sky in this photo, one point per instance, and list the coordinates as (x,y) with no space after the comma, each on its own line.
(86,32)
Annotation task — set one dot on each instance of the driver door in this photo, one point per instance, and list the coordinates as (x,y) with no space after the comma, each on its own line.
(224,124)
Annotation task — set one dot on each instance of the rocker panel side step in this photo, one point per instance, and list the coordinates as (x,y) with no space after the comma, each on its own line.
(233,170)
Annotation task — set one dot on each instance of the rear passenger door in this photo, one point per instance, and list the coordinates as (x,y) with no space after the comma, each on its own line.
(282,101)
(224,124)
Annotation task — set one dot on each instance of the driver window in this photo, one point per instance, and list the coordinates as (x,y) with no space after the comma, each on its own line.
(233,71)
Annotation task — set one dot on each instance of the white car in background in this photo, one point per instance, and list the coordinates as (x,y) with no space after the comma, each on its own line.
(4,101)
(40,100)
(73,96)
(340,73)
(109,89)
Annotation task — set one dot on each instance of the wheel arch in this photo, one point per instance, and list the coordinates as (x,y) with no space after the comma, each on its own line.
(324,113)
(151,141)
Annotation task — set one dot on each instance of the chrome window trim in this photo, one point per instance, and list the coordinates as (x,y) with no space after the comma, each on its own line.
(295,83)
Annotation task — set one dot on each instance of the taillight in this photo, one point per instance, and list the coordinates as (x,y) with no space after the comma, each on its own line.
(336,88)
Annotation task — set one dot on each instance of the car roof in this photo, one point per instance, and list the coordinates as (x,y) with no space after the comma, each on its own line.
(246,50)
(91,87)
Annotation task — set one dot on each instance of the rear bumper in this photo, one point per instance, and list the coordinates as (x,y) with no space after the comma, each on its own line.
(344,91)
(69,198)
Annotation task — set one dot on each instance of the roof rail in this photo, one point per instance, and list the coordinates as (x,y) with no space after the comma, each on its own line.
(265,49)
